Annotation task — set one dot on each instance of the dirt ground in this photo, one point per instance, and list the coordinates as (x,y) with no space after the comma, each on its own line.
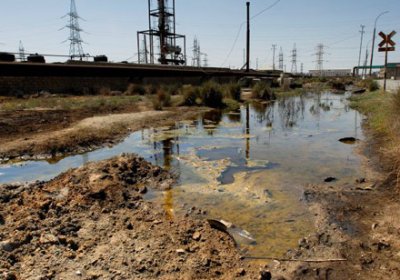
(40,134)
(92,223)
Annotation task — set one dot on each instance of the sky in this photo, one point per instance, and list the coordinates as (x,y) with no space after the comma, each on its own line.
(110,28)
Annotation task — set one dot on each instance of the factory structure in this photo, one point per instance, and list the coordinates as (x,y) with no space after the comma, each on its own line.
(161,38)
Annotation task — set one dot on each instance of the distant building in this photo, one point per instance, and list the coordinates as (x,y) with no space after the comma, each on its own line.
(393,71)
(331,73)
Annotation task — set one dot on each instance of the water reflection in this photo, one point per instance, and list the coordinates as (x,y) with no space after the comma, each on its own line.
(247,167)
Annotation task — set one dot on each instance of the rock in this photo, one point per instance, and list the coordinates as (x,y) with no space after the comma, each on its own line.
(180,251)
(361,180)
(330,179)
(48,238)
(78,272)
(265,275)
(196,236)
(143,189)
(8,245)
(241,272)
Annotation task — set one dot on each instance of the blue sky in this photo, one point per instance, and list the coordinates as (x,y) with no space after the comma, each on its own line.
(111,27)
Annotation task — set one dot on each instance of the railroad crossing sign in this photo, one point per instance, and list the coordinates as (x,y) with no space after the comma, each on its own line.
(387,44)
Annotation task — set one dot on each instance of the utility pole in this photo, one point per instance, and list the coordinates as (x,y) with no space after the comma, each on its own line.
(281,59)
(273,56)
(361,44)
(373,41)
(364,73)
(22,56)
(248,38)
(75,48)
(294,59)
(320,57)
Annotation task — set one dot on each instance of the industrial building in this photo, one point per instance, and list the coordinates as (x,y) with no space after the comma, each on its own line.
(331,73)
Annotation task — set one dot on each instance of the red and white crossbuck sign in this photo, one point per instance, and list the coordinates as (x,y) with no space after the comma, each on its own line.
(387,44)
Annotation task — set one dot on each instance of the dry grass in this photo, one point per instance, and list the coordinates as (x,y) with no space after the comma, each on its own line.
(383,110)
(109,103)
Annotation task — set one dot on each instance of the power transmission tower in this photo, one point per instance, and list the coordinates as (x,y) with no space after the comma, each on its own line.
(320,57)
(361,44)
(75,48)
(273,56)
(281,59)
(294,60)
(205,60)
(302,68)
(143,53)
(196,60)
(22,55)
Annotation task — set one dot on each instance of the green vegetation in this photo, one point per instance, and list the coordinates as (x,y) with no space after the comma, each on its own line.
(212,94)
(383,109)
(161,99)
(262,91)
(134,89)
(292,92)
(369,84)
(71,103)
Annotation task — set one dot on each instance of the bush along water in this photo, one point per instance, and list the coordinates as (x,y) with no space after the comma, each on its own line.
(262,91)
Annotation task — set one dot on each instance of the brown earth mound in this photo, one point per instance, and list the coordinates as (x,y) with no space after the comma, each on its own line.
(92,223)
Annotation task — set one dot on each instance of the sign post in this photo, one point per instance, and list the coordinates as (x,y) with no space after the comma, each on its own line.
(387,45)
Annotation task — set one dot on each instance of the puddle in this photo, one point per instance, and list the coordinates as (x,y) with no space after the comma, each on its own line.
(246,167)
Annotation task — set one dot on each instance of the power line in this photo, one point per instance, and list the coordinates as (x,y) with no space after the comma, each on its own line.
(241,26)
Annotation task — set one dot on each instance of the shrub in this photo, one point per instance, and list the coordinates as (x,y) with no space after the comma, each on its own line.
(232,91)
(262,91)
(135,89)
(191,96)
(211,94)
(152,89)
(369,84)
(164,97)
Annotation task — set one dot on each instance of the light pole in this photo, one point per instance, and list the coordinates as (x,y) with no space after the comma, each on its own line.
(373,41)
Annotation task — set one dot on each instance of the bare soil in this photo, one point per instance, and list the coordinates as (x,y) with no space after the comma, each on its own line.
(39,134)
(92,223)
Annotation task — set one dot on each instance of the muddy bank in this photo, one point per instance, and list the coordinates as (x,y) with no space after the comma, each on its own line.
(92,223)
(357,234)
(86,135)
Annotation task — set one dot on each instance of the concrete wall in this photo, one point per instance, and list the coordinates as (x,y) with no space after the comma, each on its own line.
(391,85)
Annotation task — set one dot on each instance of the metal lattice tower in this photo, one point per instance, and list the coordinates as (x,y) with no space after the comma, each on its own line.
(273,56)
(205,60)
(22,55)
(75,48)
(281,59)
(320,51)
(143,53)
(302,68)
(196,60)
(294,60)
